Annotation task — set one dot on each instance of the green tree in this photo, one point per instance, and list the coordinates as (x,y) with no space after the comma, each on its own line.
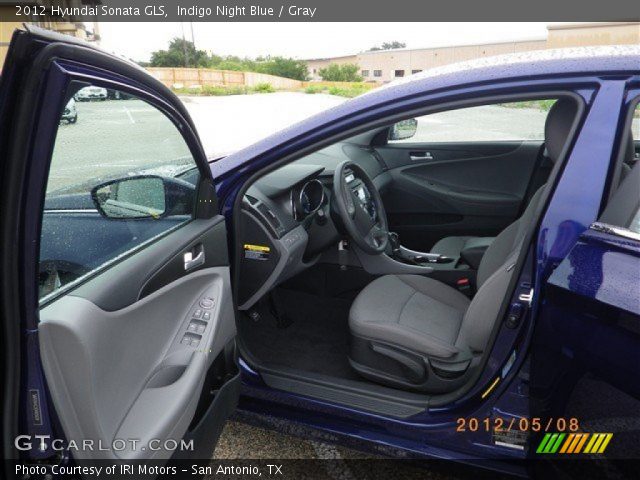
(235,63)
(283,67)
(347,72)
(181,53)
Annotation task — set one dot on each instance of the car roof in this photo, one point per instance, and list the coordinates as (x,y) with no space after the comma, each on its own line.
(526,65)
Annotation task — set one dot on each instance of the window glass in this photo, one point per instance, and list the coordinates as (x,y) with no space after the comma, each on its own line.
(377,73)
(504,121)
(121,174)
(634,225)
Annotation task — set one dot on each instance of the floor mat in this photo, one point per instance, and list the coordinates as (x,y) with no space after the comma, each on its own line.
(316,340)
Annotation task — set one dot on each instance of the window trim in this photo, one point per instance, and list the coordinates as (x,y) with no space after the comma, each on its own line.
(615,231)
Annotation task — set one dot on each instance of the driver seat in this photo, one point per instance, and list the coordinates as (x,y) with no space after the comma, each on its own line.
(413,332)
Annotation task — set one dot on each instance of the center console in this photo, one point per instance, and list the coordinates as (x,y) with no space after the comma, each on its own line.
(412,257)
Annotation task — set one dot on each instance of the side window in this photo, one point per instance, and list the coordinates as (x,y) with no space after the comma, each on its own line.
(486,123)
(121,174)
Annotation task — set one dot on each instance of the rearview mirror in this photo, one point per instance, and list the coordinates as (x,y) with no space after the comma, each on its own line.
(131,197)
(403,129)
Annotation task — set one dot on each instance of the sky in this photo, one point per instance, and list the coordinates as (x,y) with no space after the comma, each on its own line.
(306,40)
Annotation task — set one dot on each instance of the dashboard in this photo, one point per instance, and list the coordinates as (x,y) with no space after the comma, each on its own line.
(286,222)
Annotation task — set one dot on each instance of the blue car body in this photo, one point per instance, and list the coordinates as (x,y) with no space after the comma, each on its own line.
(571,270)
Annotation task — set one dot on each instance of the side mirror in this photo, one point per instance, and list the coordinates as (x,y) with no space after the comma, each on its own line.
(131,197)
(403,130)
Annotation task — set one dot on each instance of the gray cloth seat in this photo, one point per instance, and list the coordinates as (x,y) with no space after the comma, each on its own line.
(414,332)
(427,314)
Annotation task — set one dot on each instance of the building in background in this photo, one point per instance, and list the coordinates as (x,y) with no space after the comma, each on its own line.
(383,66)
(68,25)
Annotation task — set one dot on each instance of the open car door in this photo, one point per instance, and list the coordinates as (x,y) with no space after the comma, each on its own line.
(116,308)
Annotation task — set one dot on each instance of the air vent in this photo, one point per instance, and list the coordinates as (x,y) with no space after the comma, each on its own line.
(268,214)
(251,200)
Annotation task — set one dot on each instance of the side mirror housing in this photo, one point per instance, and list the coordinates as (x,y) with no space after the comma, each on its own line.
(403,129)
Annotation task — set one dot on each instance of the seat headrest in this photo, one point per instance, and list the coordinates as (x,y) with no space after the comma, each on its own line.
(558,125)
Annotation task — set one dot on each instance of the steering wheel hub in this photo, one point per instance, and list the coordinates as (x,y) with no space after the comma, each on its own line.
(360,208)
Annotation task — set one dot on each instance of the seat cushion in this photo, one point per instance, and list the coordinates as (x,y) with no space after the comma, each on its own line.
(410,311)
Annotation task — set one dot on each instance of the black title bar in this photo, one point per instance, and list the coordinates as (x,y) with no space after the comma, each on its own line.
(320,10)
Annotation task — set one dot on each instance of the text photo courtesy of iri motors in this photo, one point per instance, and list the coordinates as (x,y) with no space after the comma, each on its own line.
(319,240)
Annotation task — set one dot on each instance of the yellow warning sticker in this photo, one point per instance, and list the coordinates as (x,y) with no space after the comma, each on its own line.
(257,248)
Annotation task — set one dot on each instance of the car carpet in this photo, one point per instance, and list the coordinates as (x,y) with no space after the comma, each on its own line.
(315,339)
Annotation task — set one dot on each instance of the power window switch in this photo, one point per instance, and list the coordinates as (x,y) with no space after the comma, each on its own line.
(197,313)
(185,340)
(195,342)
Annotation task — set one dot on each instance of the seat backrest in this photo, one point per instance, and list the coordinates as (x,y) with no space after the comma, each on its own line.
(625,202)
(496,267)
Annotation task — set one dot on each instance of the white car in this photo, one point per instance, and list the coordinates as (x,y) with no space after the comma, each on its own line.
(91,93)
(70,114)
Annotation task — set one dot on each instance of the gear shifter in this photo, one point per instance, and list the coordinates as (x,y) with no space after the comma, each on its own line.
(413,258)
(394,241)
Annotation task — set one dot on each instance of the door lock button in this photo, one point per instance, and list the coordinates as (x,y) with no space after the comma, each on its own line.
(207,303)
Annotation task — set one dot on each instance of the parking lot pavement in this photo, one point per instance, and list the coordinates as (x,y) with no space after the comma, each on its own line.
(228,123)
(242,441)
(119,136)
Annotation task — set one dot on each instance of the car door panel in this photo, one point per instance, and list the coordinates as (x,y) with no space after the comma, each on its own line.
(123,351)
(461,188)
(113,348)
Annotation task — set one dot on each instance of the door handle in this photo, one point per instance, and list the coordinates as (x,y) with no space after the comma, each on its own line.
(418,156)
(191,261)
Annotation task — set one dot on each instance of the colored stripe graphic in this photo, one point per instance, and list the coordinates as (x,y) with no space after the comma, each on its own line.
(574,443)
(566,444)
(543,443)
(580,443)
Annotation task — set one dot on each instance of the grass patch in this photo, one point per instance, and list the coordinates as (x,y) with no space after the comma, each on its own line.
(348,90)
(544,105)
(311,89)
(263,88)
(221,91)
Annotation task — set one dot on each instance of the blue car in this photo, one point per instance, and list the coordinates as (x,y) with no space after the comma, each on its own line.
(447,267)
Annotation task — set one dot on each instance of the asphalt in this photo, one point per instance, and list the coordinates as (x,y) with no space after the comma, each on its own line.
(309,459)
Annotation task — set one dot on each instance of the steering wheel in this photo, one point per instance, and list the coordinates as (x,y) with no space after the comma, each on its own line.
(363,216)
